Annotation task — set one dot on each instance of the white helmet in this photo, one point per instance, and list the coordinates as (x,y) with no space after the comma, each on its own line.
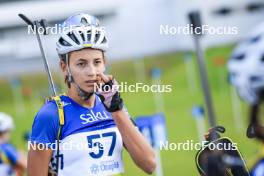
(6,122)
(81,31)
(246,66)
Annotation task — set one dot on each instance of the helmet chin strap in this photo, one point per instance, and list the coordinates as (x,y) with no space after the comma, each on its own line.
(83,94)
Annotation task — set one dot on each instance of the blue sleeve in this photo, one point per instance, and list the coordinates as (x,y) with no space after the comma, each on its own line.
(45,126)
(11,153)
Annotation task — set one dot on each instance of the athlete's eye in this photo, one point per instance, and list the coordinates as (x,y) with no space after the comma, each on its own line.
(97,62)
(81,64)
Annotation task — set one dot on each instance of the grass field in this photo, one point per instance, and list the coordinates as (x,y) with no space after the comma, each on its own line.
(178,104)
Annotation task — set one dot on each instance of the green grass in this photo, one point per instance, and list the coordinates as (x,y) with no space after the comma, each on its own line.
(178,103)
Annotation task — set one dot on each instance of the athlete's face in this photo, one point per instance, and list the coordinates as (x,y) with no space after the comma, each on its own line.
(5,136)
(85,66)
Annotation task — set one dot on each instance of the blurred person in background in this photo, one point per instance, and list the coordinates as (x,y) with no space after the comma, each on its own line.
(94,119)
(12,162)
(246,72)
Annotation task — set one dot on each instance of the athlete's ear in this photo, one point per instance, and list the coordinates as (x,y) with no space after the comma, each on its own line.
(63,67)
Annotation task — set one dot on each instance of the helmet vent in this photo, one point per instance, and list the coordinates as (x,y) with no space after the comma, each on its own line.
(89,36)
(96,37)
(239,57)
(104,40)
(84,21)
(82,35)
(255,39)
(262,58)
(72,36)
(255,78)
(63,42)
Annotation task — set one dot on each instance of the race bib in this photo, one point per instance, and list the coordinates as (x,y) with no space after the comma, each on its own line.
(94,153)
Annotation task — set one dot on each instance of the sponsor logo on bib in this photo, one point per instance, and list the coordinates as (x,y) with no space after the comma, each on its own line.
(93,117)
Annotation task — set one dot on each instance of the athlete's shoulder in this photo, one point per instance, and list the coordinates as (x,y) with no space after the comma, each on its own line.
(48,114)
(50,107)
(48,110)
(46,124)
(10,152)
(8,146)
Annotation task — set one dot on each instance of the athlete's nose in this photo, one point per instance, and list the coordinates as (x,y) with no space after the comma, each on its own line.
(91,70)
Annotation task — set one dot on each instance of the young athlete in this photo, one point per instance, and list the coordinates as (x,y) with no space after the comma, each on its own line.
(92,125)
(11,161)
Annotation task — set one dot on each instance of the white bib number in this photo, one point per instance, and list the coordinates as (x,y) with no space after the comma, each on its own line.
(92,153)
